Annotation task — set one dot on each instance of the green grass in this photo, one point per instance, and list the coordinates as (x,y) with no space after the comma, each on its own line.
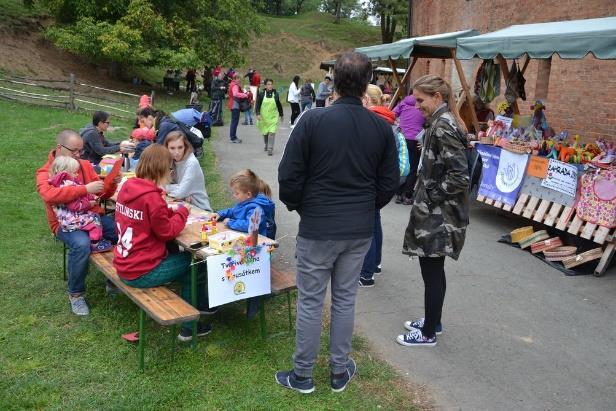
(53,359)
(13,13)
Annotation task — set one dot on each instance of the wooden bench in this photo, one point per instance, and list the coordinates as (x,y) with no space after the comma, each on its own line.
(564,219)
(159,303)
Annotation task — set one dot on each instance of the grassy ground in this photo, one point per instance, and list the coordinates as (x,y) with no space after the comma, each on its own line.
(53,359)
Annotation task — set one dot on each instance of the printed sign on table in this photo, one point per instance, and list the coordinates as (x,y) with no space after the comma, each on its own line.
(503,173)
(238,275)
(505,120)
(538,166)
(561,177)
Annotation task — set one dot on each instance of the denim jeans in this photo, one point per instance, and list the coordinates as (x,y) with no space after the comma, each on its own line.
(306,105)
(248,116)
(176,267)
(373,256)
(235,120)
(78,243)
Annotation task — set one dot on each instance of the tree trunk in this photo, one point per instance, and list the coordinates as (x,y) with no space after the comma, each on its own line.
(388,28)
(338,10)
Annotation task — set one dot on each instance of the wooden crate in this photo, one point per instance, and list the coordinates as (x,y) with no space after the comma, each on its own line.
(562,218)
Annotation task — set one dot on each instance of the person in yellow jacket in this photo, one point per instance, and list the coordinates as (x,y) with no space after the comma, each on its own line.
(269,113)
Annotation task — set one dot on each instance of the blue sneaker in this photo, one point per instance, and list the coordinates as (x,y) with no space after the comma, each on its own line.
(418,325)
(289,380)
(340,382)
(415,338)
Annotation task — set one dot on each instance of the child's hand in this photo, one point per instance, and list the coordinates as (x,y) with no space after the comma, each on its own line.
(215,216)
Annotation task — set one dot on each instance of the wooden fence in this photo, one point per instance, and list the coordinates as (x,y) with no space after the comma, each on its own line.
(70,94)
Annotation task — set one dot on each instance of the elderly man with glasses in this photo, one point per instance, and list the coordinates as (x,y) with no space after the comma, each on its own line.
(69,143)
(95,145)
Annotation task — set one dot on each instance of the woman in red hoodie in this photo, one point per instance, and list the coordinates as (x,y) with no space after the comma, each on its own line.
(145,223)
(372,261)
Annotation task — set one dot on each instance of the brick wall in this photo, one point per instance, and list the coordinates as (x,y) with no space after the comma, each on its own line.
(582,93)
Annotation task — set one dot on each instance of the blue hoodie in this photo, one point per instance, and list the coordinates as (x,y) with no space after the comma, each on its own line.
(239,215)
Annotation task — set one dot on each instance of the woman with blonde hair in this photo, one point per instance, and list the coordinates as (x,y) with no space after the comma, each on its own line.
(373,100)
(145,223)
(439,215)
(188,181)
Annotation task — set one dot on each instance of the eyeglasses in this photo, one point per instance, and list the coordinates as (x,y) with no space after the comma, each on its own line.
(72,150)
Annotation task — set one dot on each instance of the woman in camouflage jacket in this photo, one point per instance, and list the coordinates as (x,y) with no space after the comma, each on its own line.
(439,215)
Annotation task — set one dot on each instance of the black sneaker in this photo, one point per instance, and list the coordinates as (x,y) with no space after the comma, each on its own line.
(378,269)
(209,311)
(202,329)
(340,382)
(366,282)
(289,380)
(398,199)
(236,141)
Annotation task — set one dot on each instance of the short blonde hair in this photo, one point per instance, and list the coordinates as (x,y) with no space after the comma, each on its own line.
(374,94)
(63,163)
(154,164)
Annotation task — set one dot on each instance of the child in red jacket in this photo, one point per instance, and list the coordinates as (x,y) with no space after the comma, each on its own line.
(248,113)
(76,214)
(145,223)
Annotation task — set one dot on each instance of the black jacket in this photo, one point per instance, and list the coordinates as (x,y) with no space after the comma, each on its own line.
(95,145)
(261,96)
(339,164)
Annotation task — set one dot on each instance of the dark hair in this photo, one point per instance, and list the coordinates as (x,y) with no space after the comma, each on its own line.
(352,73)
(266,80)
(145,112)
(99,116)
(296,80)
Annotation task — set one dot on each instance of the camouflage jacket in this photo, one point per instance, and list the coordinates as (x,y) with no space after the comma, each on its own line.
(439,215)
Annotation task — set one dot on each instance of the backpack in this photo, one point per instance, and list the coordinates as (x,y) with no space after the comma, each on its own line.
(404,162)
(244,103)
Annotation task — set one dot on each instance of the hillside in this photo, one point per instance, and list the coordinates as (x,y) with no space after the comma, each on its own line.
(286,46)
(297,44)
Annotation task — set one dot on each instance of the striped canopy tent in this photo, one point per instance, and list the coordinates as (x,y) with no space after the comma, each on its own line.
(441,46)
(573,39)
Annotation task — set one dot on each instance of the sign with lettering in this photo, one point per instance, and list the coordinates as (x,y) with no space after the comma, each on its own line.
(239,274)
(503,173)
(561,177)
(538,166)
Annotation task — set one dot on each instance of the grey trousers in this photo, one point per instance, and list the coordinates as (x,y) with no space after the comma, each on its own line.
(318,262)
(269,139)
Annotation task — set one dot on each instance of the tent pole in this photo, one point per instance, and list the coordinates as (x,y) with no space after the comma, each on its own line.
(404,80)
(467,93)
(505,70)
(525,64)
(394,71)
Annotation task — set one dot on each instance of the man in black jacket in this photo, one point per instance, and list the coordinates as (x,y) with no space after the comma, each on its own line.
(339,164)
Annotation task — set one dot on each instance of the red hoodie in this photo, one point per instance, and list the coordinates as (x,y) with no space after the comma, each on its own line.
(144,224)
(385,113)
(62,195)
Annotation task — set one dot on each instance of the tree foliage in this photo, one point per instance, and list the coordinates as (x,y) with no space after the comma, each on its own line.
(390,13)
(285,7)
(164,33)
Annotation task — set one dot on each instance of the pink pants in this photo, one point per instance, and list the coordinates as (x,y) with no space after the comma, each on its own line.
(95,231)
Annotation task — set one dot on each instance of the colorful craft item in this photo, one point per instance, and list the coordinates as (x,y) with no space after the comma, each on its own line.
(533,238)
(582,258)
(545,245)
(559,253)
(521,233)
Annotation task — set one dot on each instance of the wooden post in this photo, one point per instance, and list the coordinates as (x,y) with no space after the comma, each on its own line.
(525,65)
(404,80)
(467,92)
(71,92)
(505,71)
(394,70)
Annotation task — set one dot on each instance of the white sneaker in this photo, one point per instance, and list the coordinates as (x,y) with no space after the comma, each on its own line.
(79,305)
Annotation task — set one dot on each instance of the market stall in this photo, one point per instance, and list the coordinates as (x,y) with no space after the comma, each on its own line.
(440,46)
(531,170)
